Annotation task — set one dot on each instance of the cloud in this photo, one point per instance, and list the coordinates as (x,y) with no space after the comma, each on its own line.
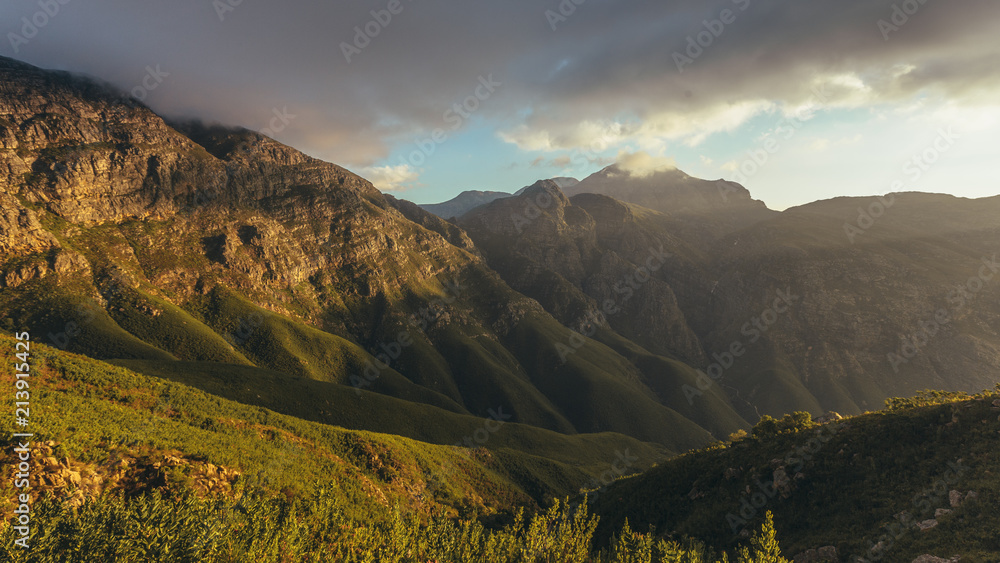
(605,75)
(392,178)
(818,145)
(557,162)
(641,164)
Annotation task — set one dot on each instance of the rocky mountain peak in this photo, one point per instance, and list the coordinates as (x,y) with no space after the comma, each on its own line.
(679,195)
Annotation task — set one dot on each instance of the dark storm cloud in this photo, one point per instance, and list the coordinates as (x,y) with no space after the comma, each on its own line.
(608,66)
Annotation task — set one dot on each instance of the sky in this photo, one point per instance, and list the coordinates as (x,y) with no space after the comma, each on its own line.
(797,100)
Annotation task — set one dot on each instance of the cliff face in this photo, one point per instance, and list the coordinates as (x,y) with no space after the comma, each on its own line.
(587,259)
(707,208)
(858,324)
(127,237)
(76,151)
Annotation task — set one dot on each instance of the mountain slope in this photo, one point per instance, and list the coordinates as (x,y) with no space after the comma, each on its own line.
(705,208)
(822,307)
(462,203)
(859,485)
(133,239)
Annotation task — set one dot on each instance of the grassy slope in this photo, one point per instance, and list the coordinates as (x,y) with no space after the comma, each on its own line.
(874,467)
(279,343)
(341,406)
(87,405)
(594,384)
(458,366)
(712,410)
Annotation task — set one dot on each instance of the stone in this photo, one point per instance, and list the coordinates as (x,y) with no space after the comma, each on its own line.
(941,512)
(927,525)
(828,417)
(809,556)
(828,553)
(955,498)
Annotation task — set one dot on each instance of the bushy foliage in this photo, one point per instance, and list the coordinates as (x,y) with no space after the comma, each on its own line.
(849,482)
(264,528)
(794,422)
(763,546)
(925,398)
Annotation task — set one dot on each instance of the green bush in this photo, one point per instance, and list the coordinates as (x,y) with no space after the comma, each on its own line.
(770,426)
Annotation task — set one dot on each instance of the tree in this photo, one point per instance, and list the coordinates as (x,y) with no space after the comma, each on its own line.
(764,545)
(767,426)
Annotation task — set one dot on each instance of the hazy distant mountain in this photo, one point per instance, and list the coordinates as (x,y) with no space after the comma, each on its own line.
(860,326)
(462,203)
(471,199)
(560,182)
(728,205)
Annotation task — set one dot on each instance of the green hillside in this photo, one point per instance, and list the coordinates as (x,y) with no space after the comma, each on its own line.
(849,484)
(137,468)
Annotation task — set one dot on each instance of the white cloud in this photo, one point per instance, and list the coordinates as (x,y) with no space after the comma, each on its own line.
(641,164)
(391,178)
(691,126)
(818,145)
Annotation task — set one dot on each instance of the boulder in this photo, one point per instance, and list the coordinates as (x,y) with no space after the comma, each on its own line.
(828,417)
(809,556)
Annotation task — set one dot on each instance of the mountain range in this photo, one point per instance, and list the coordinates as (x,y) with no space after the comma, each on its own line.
(649,314)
